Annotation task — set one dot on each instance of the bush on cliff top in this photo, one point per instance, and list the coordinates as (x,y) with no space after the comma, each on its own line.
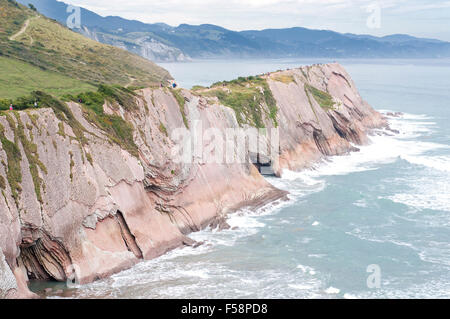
(250,98)
(116,128)
(118,131)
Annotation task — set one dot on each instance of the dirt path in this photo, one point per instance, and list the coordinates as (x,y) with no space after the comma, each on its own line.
(22,30)
(132,80)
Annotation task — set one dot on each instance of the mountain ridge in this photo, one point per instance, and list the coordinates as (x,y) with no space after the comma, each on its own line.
(162,42)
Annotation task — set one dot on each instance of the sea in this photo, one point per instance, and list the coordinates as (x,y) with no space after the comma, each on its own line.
(371,224)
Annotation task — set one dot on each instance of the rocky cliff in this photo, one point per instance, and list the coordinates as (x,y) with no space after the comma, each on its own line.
(143,44)
(77,202)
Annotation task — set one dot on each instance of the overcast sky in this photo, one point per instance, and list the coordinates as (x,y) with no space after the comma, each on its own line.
(424,18)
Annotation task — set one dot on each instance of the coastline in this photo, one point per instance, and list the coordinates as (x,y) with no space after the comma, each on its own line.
(119,210)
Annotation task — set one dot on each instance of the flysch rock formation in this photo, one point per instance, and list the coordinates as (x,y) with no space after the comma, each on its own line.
(102,210)
(308,132)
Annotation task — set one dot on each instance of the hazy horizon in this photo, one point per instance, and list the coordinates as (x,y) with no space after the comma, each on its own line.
(419,18)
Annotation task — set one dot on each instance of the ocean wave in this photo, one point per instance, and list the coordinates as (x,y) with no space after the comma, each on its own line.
(433,289)
(332,291)
(406,116)
(382,150)
(427,189)
(434,200)
(176,274)
(361,203)
(440,163)
(428,192)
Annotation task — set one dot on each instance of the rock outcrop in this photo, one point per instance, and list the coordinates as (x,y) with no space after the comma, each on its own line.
(76,205)
(310,131)
(143,44)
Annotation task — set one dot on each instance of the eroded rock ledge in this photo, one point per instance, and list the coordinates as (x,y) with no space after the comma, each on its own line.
(88,205)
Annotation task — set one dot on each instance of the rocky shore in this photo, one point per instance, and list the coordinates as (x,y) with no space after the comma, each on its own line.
(87,207)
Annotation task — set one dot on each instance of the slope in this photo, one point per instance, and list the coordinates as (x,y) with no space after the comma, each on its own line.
(50,46)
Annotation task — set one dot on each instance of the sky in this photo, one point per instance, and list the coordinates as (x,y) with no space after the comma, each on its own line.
(422,18)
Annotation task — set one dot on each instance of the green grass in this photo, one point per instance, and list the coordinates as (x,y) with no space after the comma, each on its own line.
(2,182)
(286,79)
(18,78)
(50,46)
(198,87)
(182,103)
(163,129)
(12,17)
(247,97)
(324,99)
(116,128)
(13,168)
(31,153)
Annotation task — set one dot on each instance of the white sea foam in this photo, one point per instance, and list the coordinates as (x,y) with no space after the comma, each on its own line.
(440,163)
(434,289)
(428,189)
(316,255)
(383,149)
(430,192)
(436,253)
(406,116)
(164,278)
(332,291)
(305,269)
(435,201)
(200,273)
(301,287)
(361,203)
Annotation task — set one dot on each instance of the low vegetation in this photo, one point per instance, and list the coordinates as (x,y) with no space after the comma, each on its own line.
(50,46)
(182,103)
(116,128)
(2,182)
(324,99)
(38,54)
(286,79)
(19,78)
(13,168)
(163,129)
(250,98)
(31,152)
(12,17)
(198,88)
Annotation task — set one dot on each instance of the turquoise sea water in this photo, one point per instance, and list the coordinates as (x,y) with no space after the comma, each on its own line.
(388,205)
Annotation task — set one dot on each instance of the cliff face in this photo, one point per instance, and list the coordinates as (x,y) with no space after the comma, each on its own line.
(141,44)
(311,128)
(86,207)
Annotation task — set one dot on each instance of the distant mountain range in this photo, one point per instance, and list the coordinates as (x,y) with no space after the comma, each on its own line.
(161,42)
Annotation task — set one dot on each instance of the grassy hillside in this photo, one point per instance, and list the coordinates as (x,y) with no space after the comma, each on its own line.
(12,17)
(46,44)
(19,78)
(250,98)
